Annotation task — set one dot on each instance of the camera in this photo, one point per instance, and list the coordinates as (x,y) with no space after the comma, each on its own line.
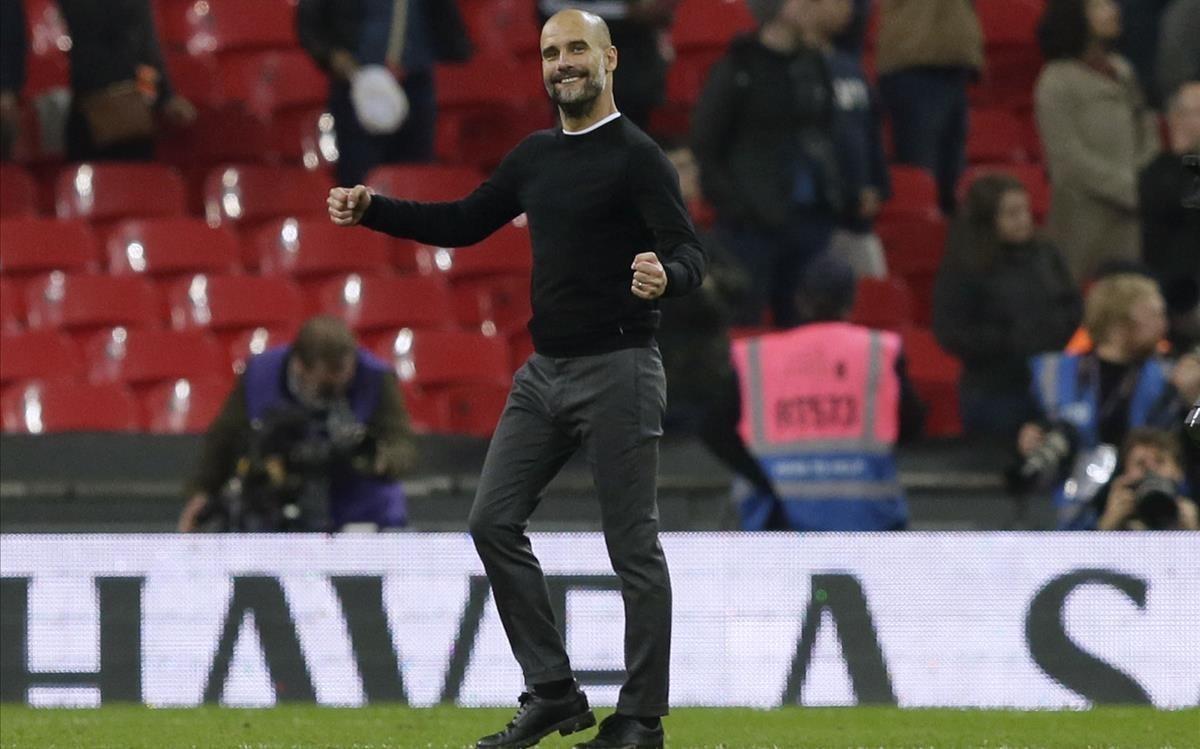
(1042,466)
(1154,502)
(1191,198)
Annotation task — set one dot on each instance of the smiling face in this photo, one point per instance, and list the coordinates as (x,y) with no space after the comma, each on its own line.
(577,58)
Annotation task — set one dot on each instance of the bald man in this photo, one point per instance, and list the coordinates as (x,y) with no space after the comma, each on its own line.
(610,236)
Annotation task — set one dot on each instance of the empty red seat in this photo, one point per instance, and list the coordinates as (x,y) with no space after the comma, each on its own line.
(83,303)
(18,192)
(185,406)
(171,247)
(12,312)
(316,249)
(1010,22)
(234,304)
(255,341)
(446,357)
(38,355)
(248,196)
(427,183)
(913,245)
(220,135)
(914,192)
(62,406)
(268,82)
(221,27)
(882,303)
(473,409)
(105,192)
(197,78)
(29,246)
(388,302)
(935,375)
(997,135)
(1030,175)
(710,23)
(47,66)
(493,304)
(426,409)
(304,136)
(149,357)
(506,28)
(506,252)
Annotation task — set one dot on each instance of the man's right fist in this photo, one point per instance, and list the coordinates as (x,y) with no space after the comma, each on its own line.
(348,204)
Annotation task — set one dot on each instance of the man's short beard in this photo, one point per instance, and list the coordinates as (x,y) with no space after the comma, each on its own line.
(583,106)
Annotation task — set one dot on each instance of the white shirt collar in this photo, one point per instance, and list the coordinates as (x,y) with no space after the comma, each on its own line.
(593,126)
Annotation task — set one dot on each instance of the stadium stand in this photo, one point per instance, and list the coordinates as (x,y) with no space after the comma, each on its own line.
(29,246)
(376,304)
(82,303)
(59,406)
(38,355)
(185,406)
(233,305)
(169,248)
(312,251)
(18,192)
(144,358)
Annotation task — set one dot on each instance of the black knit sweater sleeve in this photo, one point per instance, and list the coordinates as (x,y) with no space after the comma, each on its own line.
(666,215)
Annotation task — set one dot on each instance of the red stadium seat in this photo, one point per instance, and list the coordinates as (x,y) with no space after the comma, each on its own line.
(47,66)
(234,304)
(473,409)
(710,23)
(520,348)
(1030,175)
(254,342)
(29,246)
(506,28)
(106,192)
(167,248)
(426,409)
(12,313)
(427,183)
(83,303)
(493,304)
(185,406)
(997,135)
(248,196)
(149,357)
(38,355)
(268,82)
(914,193)
(935,374)
(62,406)
(1013,58)
(882,303)
(446,357)
(507,252)
(197,78)
(316,250)
(389,302)
(220,135)
(304,136)
(479,121)
(1010,23)
(18,192)
(223,26)
(914,246)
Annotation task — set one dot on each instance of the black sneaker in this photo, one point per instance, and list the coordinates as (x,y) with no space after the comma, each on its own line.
(623,732)
(538,717)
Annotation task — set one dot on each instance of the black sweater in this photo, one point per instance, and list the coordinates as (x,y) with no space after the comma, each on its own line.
(593,201)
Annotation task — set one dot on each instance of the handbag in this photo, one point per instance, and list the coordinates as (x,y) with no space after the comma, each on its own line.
(117,114)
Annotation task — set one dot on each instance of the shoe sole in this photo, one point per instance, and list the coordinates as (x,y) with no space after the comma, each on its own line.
(571,725)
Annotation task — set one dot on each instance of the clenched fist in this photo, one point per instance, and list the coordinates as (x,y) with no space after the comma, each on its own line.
(348,204)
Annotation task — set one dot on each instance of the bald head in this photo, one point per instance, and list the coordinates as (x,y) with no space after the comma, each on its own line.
(577,61)
(579,23)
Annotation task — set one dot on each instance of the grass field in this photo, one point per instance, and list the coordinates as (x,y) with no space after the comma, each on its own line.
(307,727)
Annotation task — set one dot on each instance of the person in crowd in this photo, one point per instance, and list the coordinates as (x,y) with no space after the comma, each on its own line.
(820,409)
(1150,492)
(120,89)
(12,72)
(853,37)
(927,52)
(1097,133)
(1178,47)
(313,437)
(1170,231)
(1003,294)
(858,128)
(376,51)
(639,31)
(1089,402)
(763,132)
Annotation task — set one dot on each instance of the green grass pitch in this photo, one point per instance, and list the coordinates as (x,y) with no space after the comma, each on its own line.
(308,727)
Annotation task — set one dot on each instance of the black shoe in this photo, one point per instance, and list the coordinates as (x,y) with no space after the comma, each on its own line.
(538,717)
(623,732)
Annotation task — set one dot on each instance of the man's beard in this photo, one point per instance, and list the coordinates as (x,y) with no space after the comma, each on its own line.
(582,103)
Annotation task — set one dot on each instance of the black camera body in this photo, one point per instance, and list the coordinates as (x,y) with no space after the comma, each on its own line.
(1043,465)
(1154,502)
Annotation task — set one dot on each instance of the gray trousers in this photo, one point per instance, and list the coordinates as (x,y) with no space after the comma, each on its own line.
(611,405)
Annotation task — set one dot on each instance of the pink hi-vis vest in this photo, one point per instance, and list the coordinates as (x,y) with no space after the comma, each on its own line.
(820,410)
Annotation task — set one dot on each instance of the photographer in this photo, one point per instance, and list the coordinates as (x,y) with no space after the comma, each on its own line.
(313,437)
(1090,402)
(1149,492)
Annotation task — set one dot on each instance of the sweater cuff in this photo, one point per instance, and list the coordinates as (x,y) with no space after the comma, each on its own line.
(371,214)
(674,272)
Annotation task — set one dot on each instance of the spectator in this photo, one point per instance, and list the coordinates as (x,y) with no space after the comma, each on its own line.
(118,82)
(1171,232)
(926,54)
(1149,493)
(12,72)
(852,38)
(1002,295)
(821,408)
(1098,397)
(763,133)
(347,37)
(1178,47)
(313,437)
(860,145)
(1097,133)
(638,29)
